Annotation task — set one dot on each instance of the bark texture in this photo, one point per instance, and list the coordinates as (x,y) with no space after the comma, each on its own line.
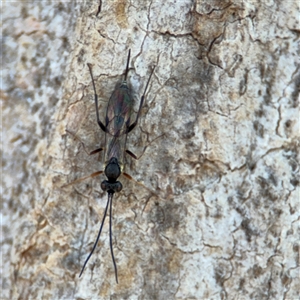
(217,213)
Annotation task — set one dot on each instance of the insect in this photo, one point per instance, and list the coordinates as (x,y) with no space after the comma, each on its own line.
(117,126)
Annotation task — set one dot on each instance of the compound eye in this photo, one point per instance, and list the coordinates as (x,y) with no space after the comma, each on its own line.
(118,186)
(104,185)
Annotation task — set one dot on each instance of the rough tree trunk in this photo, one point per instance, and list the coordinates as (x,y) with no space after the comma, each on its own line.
(218,212)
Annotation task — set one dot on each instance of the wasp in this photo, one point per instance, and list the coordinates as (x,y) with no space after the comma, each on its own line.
(118,123)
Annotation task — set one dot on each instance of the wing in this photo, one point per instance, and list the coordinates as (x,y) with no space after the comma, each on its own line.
(119,111)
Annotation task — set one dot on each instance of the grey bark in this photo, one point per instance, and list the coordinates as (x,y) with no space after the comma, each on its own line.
(216,215)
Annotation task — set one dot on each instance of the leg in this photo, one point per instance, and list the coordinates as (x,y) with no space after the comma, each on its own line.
(149,143)
(152,193)
(139,183)
(131,154)
(127,66)
(96,151)
(96,101)
(82,143)
(83,178)
(141,104)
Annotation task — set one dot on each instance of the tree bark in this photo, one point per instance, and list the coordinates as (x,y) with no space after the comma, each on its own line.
(212,211)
